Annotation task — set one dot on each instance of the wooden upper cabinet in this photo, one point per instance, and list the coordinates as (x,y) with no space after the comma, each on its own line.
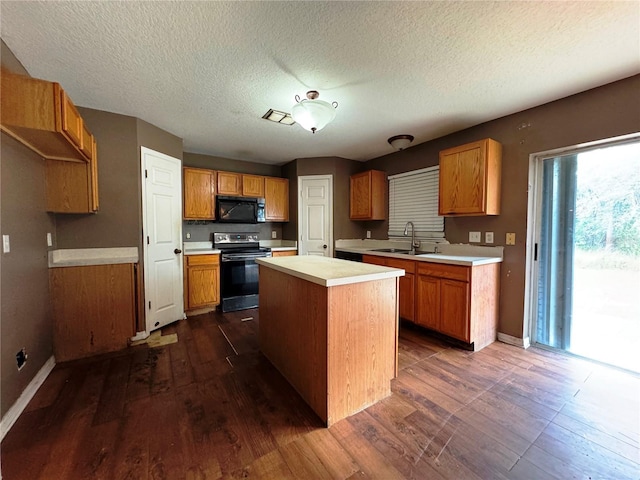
(252,186)
(199,190)
(368,193)
(229,183)
(470,179)
(72,187)
(276,194)
(41,116)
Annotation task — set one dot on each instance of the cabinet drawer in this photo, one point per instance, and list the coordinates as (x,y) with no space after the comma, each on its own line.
(408,266)
(374,259)
(202,260)
(453,272)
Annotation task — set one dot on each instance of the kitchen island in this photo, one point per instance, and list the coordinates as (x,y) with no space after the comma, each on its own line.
(331,328)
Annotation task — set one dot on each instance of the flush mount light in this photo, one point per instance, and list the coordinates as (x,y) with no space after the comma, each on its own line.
(400,142)
(278,117)
(313,114)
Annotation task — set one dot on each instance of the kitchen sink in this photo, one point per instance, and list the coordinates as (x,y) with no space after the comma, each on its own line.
(391,250)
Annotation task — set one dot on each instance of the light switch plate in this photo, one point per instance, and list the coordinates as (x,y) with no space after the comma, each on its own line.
(49,240)
(6,247)
(511,239)
(474,237)
(488,237)
(368,233)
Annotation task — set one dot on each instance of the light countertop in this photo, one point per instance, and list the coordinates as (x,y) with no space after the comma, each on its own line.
(79,257)
(329,272)
(457,254)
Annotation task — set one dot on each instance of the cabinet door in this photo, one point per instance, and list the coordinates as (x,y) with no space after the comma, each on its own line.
(285,253)
(276,193)
(470,179)
(229,183)
(374,259)
(101,318)
(360,202)
(252,186)
(428,302)
(407,289)
(198,194)
(454,309)
(71,120)
(367,195)
(87,142)
(93,177)
(203,285)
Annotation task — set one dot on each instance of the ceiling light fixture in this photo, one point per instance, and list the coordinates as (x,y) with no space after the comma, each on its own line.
(400,142)
(278,117)
(313,114)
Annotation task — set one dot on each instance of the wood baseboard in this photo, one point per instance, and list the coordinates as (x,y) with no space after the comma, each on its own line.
(515,341)
(25,397)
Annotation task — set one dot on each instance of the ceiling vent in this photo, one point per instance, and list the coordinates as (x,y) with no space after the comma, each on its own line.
(278,117)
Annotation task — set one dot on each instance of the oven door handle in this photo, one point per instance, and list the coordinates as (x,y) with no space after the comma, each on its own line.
(240,258)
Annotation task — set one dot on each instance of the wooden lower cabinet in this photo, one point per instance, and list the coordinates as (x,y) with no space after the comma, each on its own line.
(459,301)
(406,284)
(284,253)
(201,281)
(94,309)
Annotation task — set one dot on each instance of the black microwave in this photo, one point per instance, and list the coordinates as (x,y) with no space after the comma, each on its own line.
(239,209)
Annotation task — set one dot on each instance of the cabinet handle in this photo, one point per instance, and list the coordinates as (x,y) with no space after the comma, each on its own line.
(324,246)
(177,251)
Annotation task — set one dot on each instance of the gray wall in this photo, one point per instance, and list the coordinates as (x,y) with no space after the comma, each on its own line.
(117,222)
(604,112)
(25,320)
(341,169)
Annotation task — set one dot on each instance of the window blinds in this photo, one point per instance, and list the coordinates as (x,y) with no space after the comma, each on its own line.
(413,197)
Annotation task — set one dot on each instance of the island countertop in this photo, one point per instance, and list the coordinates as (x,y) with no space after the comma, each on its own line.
(329,272)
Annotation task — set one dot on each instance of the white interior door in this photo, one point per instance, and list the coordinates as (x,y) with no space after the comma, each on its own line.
(315,215)
(162,234)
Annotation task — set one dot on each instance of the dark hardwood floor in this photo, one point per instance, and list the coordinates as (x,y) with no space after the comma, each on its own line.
(211,406)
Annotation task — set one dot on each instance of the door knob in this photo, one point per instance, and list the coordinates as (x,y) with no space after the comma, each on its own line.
(177,251)
(324,246)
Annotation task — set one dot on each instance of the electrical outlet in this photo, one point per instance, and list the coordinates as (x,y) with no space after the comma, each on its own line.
(474,237)
(511,239)
(6,247)
(488,237)
(21,358)
(49,240)
(188,235)
(274,234)
(368,233)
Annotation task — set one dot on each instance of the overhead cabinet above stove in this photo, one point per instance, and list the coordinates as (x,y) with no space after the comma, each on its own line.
(201,185)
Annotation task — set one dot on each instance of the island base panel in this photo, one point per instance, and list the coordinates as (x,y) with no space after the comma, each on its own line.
(336,345)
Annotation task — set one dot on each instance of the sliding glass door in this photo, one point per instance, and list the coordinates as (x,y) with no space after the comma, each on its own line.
(587,253)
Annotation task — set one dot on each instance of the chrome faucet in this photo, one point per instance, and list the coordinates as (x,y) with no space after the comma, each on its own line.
(414,244)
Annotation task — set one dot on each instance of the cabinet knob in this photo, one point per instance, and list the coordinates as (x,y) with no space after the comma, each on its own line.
(177,251)
(324,246)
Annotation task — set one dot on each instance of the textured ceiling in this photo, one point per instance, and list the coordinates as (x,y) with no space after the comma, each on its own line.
(208,71)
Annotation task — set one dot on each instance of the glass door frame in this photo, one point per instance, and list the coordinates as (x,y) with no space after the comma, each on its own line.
(534,224)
